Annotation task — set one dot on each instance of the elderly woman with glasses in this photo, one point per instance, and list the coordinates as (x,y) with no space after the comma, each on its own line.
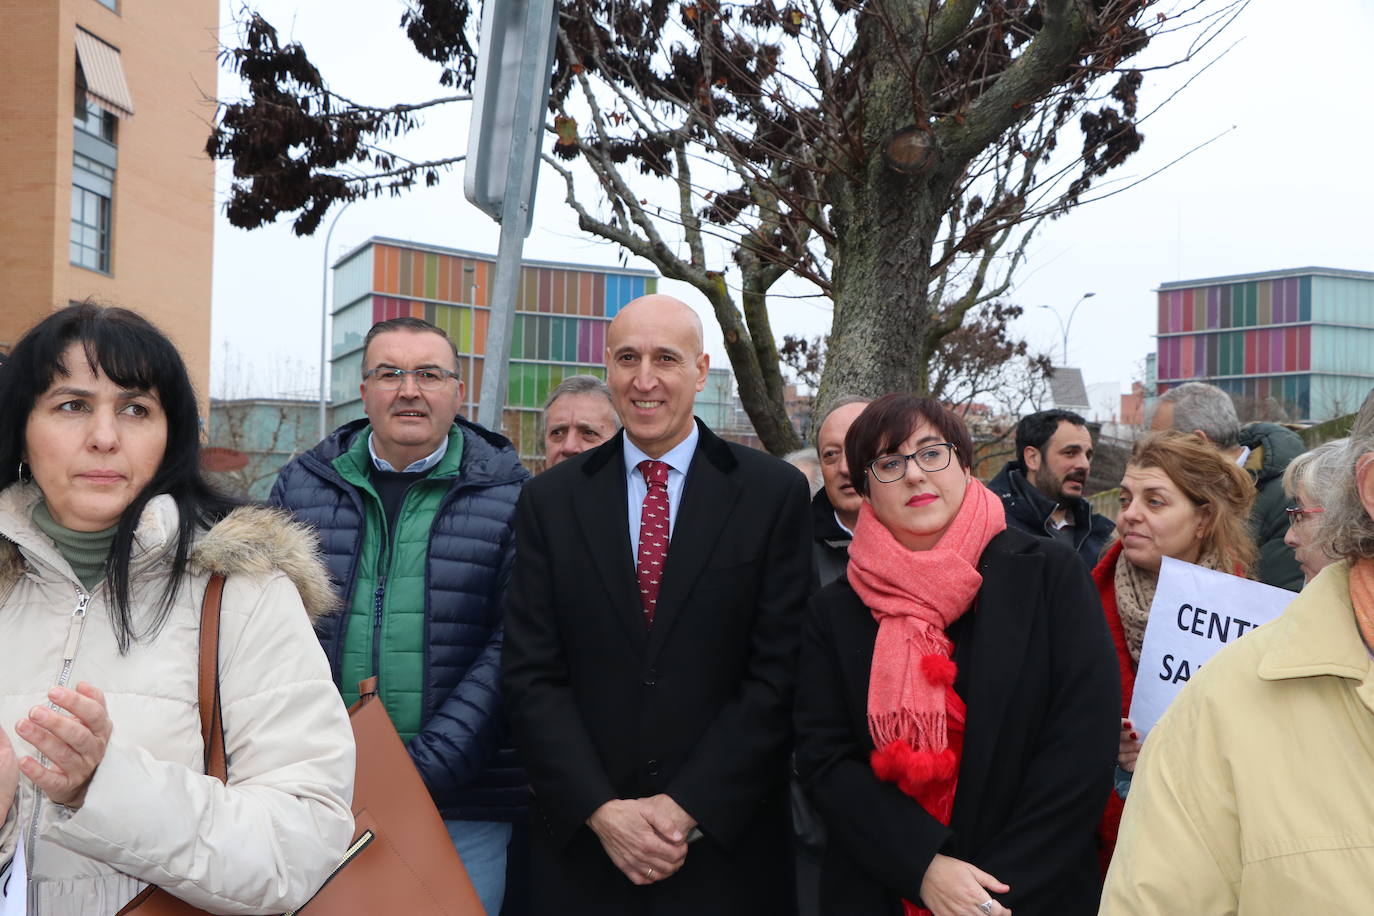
(1306,480)
(1253,794)
(957,698)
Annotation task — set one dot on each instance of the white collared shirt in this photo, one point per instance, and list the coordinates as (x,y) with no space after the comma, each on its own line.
(679,459)
(424,464)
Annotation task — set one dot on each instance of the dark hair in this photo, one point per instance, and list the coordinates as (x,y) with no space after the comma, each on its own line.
(1038,428)
(889,421)
(414,325)
(133,354)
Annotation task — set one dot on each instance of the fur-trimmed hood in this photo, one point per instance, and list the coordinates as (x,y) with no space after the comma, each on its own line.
(254,539)
(250,539)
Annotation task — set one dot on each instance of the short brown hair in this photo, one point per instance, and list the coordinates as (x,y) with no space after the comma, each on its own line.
(1208,479)
(889,421)
(406,323)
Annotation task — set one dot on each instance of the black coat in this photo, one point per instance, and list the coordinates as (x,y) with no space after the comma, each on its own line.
(1039,677)
(830,549)
(698,707)
(1029,510)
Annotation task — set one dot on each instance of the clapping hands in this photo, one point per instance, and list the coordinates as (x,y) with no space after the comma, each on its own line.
(74,745)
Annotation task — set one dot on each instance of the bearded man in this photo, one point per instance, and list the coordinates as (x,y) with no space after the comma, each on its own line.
(1042,488)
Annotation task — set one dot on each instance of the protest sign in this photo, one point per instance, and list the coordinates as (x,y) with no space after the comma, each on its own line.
(1196,611)
(14,881)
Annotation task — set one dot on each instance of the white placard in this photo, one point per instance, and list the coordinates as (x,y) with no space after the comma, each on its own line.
(1196,611)
(13,897)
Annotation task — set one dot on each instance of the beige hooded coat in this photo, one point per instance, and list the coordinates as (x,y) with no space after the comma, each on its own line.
(262,844)
(1253,794)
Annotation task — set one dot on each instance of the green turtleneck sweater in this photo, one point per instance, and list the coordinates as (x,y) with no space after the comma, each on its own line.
(84,550)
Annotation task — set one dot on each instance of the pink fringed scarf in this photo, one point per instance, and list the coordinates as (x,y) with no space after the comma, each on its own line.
(915,717)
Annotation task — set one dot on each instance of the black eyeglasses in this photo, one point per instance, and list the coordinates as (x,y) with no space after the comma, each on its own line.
(389,378)
(929,458)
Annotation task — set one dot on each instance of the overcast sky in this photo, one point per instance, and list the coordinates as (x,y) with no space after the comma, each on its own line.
(1286,185)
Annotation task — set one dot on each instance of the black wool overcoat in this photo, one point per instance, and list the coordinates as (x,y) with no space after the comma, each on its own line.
(697,707)
(1039,677)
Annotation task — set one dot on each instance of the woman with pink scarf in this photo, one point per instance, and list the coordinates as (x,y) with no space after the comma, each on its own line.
(957,698)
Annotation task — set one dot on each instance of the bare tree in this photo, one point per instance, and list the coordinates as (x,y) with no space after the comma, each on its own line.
(896,156)
(980,370)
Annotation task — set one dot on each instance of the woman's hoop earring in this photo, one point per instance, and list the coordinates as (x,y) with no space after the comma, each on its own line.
(22,475)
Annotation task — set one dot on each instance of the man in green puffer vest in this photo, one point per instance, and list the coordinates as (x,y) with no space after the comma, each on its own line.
(414,508)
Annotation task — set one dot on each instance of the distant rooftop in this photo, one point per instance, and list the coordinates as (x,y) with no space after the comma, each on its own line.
(482,256)
(1269,275)
(1067,388)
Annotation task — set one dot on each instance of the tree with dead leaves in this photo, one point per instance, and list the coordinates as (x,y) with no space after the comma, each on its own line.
(895,156)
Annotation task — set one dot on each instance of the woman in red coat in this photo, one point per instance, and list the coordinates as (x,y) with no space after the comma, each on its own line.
(1180,498)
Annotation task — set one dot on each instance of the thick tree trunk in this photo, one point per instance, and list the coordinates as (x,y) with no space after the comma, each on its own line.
(886,223)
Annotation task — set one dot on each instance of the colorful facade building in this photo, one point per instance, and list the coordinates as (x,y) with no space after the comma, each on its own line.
(1301,340)
(108,194)
(560,322)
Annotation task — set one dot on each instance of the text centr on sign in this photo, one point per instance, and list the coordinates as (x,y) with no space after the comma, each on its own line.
(1196,611)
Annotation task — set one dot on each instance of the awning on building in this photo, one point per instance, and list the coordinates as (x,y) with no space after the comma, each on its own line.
(105,83)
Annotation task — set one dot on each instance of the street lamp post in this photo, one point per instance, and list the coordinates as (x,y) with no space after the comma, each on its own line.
(324,326)
(1065,325)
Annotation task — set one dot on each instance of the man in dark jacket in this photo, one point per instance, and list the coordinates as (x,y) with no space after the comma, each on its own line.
(1042,488)
(1262,449)
(414,509)
(835,507)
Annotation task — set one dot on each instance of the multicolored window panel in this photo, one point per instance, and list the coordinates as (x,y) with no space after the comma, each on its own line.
(1232,353)
(1236,305)
(458,278)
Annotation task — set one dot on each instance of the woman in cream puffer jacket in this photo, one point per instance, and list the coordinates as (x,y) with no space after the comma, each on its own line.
(108,536)
(264,844)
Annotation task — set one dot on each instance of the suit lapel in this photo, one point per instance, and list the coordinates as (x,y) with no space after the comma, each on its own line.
(708,498)
(600,508)
(1001,624)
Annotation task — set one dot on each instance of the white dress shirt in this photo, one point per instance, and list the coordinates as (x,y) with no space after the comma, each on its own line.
(424,464)
(679,459)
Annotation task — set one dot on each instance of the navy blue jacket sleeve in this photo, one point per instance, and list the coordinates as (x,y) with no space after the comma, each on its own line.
(465,731)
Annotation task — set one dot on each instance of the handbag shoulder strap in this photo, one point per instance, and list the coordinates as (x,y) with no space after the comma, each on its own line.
(211,720)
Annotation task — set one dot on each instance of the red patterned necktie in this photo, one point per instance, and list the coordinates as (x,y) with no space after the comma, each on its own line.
(653,535)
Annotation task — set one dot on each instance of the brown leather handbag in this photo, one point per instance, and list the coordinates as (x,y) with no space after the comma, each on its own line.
(401,859)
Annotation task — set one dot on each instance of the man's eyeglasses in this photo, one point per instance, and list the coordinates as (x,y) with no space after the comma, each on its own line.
(929,458)
(1298,514)
(389,378)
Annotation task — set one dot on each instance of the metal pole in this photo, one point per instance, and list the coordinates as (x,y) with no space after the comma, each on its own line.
(324,326)
(1068,324)
(515,223)
(1065,325)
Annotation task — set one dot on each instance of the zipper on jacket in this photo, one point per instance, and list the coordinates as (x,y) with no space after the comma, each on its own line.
(378,597)
(362,842)
(74,628)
